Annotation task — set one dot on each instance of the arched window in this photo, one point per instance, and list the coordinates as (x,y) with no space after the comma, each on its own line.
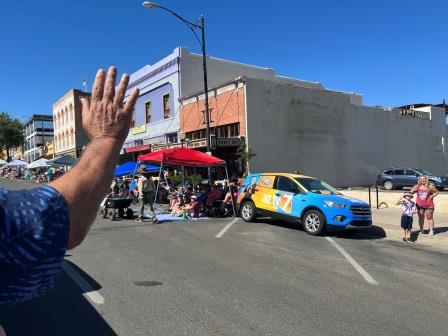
(72,138)
(71,112)
(66,115)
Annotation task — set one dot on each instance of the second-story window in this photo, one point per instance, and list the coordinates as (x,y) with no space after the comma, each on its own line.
(166,106)
(133,118)
(148,111)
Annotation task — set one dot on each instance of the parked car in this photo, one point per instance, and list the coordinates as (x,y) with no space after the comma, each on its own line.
(396,178)
(300,199)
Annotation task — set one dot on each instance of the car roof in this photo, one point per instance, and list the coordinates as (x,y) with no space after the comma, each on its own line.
(283,174)
(400,168)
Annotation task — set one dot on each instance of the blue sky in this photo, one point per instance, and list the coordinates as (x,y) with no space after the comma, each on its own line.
(392,52)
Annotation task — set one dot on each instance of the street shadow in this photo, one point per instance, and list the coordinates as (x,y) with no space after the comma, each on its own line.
(415,235)
(63,311)
(371,233)
(440,229)
(278,222)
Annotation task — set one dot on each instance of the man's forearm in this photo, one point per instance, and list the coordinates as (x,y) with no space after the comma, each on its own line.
(86,184)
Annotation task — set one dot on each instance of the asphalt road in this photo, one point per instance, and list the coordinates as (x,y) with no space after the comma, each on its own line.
(264,278)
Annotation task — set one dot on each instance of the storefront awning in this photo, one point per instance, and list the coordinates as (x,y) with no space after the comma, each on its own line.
(142,148)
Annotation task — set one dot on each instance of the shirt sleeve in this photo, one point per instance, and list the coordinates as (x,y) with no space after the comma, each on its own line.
(34,227)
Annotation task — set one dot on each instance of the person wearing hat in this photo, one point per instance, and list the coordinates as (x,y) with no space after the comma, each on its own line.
(146,189)
(192,209)
(408,210)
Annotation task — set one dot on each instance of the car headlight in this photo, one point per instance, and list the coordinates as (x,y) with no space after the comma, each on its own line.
(437,178)
(335,204)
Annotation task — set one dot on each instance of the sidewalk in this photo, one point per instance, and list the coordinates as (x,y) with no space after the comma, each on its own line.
(389,220)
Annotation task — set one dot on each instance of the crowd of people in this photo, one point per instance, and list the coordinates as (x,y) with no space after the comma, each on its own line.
(39,175)
(203,200)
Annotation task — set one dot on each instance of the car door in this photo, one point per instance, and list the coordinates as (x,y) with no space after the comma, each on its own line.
(411,177)
(289,198)
(263,195)
(400,178)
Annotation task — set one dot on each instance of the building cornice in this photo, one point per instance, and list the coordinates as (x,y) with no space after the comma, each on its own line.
(154,72)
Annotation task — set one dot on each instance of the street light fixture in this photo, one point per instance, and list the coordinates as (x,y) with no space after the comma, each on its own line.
(149,4)
(193,26)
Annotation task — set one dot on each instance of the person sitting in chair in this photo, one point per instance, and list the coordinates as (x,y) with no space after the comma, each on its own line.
(192,209)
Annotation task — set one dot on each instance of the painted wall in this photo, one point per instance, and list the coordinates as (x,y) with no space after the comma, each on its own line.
(220,71)
(320,133)
(227,104)
(156,98)
(154,81)
(69,134)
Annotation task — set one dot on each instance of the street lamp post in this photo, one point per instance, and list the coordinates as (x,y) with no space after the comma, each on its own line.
(193,27)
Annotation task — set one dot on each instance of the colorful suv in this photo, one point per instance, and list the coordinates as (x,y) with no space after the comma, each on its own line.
(298,198)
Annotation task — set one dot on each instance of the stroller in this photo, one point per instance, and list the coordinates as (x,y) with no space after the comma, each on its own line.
(116,208)
(219,209)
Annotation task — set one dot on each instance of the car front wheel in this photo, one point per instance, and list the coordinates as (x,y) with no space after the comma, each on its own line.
(388,185)
(248,211)
(313,222)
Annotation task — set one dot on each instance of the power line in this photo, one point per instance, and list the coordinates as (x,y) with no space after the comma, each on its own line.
(76,24)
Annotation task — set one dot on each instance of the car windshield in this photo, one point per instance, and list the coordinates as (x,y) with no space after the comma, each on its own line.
(316,186)
(424,172)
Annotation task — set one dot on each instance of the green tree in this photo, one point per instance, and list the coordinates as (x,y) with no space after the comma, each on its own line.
(195,179)
(245,154)
(11,133)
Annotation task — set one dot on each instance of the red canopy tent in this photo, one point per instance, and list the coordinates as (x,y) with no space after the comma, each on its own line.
(181,157)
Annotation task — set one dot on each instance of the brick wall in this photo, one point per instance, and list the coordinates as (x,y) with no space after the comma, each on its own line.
(227,108)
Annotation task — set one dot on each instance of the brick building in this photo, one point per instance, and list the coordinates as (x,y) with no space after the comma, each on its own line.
(227,122)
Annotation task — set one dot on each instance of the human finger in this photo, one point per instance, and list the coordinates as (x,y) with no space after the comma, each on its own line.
(98,85)
(129,107)
(121,90)
(85,104)
(109,89)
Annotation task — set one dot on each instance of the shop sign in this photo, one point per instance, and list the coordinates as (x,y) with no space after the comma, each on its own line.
(138,130)
(156,147)
(226,142)
(197,143)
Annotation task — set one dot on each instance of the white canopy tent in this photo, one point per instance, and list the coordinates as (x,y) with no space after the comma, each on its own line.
(17,163)
(40,163)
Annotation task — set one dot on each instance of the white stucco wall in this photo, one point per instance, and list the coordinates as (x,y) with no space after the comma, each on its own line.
(320,133)
(220,71)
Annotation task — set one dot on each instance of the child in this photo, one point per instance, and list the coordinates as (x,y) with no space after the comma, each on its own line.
(409,209)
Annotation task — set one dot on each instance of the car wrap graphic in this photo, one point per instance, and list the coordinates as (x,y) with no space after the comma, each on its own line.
(284,202)
(262,190)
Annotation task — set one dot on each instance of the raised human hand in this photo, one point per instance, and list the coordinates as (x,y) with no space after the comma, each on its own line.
(104,117)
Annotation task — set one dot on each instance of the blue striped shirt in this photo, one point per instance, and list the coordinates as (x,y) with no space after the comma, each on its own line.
(34,227)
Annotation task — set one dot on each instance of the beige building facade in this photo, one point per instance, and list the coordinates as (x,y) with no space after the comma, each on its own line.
(17,153)
(69,136)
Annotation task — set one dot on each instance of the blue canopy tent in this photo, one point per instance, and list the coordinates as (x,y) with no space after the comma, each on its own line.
(130,168)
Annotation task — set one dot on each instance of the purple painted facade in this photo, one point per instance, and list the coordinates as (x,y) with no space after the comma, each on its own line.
(156,98)
(155,81)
